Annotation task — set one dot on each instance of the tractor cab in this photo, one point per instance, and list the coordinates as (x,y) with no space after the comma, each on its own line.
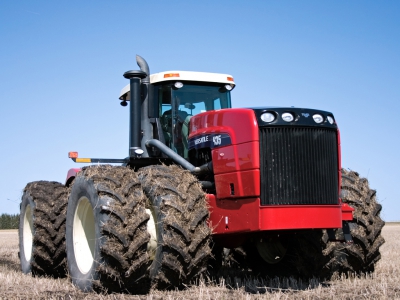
(179,95)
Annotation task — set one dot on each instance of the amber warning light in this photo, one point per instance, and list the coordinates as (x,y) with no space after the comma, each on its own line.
(72,154)
(171,75)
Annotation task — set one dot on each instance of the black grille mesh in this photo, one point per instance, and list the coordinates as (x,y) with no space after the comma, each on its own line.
(298,166)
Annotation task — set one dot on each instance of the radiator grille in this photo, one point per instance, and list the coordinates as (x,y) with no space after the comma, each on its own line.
(298,166)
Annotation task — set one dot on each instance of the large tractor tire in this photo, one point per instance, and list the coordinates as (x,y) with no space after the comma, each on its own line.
(42,229)
(106,233)
(316,256)
(366,228)
(180,212)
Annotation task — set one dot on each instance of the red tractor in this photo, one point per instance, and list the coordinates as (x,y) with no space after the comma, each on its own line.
(204,185)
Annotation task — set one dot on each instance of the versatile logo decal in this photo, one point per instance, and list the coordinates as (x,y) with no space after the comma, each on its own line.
(203,139)
(210,140)
(305,115)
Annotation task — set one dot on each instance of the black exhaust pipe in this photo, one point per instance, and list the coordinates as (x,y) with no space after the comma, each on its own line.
(135,78)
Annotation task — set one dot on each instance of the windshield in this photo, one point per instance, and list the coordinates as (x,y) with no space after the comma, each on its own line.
(194,99)
(177,106)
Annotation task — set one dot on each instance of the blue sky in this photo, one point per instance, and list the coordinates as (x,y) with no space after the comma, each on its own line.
(61,66)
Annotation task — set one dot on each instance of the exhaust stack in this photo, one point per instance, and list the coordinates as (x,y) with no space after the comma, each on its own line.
(135,111)
(142,109)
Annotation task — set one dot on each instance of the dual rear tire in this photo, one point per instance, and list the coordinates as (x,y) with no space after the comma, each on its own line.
(123,231)
(130,231)
(178,205)
(42,229)
(106,234)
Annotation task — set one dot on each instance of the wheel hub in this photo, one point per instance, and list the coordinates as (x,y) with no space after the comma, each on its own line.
(28,232)
(84,237)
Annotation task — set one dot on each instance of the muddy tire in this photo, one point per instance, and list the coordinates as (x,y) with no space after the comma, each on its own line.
(316,256)
(178,205)
(366,228)
(42,229)
(107,231)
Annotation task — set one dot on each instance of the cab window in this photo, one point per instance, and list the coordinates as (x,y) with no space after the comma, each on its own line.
(177,106)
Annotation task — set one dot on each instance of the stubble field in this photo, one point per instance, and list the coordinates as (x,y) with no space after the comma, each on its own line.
(384,283)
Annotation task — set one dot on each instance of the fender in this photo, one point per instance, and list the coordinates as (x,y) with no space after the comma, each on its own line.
(71,175)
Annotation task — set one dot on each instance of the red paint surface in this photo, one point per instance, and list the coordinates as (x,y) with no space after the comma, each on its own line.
(232,216)
(347,212)
(235,158)
(300,217)
(72,173)
(240,123)
(243,184)
(241,215)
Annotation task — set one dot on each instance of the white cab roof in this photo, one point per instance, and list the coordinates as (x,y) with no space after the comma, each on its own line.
(183,76)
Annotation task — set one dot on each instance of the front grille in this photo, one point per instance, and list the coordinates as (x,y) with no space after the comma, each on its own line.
(298,166)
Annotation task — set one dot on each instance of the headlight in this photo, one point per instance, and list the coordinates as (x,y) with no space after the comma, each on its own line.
(178,84)
(267,117)
(228,87)
(330,119)
(287,117)
(318,118)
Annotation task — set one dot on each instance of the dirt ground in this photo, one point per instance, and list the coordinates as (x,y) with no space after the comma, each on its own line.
(384,283)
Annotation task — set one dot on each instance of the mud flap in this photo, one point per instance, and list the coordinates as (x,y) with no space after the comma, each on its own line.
(346,234)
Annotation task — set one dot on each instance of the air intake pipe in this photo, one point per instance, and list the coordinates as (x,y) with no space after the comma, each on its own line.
(206,168)
(147,105)
(143,65)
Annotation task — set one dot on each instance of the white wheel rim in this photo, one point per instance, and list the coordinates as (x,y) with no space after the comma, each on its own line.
(28,232)
(151,229)
(84,236)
